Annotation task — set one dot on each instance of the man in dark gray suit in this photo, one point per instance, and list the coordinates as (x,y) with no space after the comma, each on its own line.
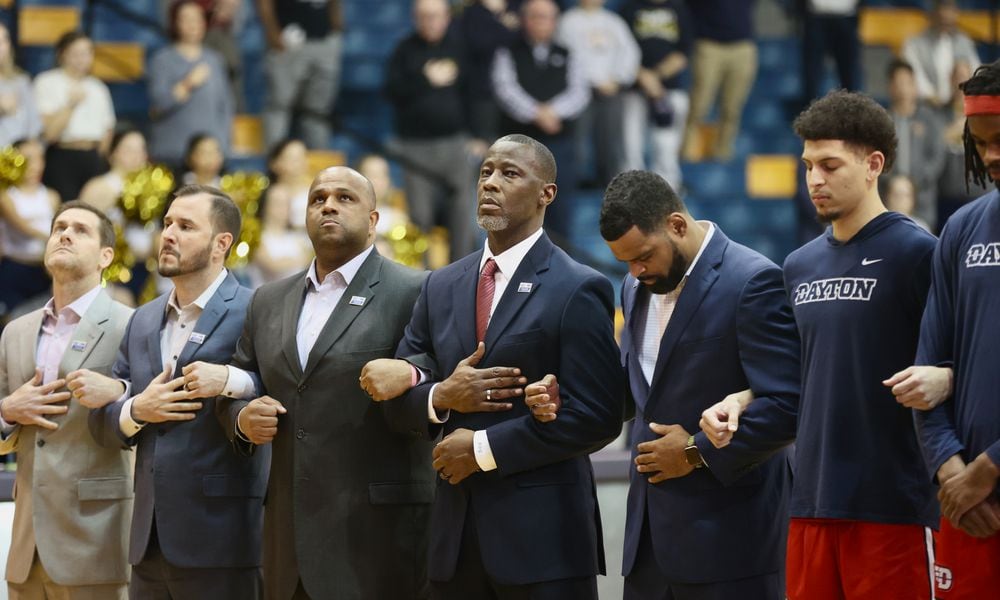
(348,501)
(198,503)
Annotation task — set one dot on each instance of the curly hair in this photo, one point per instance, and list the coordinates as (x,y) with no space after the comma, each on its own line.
(853,118)
(637,199)
(984,82)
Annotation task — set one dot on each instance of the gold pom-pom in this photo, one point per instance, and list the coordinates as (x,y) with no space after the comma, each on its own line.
(145,194)
(12,166)
(245,188)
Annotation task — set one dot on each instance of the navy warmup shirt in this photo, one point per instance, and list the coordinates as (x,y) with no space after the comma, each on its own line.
(962,327)
(858,307)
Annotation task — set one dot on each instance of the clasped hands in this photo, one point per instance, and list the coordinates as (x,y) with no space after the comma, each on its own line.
(467,390)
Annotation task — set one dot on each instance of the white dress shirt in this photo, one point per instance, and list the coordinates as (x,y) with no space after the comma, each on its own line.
(179,327)
(54,337)
(92,118)
(661,308)
(507,263)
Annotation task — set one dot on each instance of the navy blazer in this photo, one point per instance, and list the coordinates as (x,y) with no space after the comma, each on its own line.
(536,515)
(731,329)
(206,497)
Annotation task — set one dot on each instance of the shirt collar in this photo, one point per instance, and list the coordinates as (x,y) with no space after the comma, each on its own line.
(201,301)
(347,270)
(508,260)
(78,307)
(704,244)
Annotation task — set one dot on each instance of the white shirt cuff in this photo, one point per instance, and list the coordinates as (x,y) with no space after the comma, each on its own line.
(239,434)
(239,384)
(484,454)
(432,414)
(125,421)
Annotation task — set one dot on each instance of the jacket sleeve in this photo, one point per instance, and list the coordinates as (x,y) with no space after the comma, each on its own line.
(227,410)
(591,385)
(770,356)
(103,422)
(408,413)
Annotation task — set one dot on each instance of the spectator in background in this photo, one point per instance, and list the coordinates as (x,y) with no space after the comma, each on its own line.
(831,28)
(954,189)
(285,248)
(127,155)
(389,200)
(485,25)
(188,89)
(920,154)
(19,118)
(425,83)
(659,101)
(77,116)
(542,88)
(26,211)
(203,161)
(221,37)
(900,195)
(602,41)
(725,65)
(934,53)
(302,66)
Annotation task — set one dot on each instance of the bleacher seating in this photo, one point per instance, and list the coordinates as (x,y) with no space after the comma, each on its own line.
(749,196)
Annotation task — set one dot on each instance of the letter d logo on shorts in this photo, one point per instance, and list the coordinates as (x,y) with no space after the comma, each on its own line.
(943,578)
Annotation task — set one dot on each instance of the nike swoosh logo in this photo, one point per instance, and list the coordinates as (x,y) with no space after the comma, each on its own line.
(870,261)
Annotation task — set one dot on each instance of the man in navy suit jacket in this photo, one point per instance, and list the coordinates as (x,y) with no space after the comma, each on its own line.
(704,317)
(198,511)
(516,513)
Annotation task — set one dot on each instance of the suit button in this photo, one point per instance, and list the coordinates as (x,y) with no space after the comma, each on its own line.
(301,433)
(301,388)
(41,443)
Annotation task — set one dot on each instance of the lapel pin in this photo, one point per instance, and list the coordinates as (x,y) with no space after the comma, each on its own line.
(196,337)
(79,346)
(357,301)
(524,287)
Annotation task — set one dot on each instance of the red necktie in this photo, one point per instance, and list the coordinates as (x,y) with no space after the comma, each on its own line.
(484,298)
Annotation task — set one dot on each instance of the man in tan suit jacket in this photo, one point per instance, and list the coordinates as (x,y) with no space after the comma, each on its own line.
(73,499)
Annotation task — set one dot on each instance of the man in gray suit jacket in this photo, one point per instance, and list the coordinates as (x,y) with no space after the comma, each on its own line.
(348,501)
(73,498)
(198,503)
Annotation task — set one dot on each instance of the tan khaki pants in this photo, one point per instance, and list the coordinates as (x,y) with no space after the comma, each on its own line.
(727,71)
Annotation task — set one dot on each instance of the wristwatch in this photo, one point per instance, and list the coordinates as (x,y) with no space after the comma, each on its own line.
(693,455)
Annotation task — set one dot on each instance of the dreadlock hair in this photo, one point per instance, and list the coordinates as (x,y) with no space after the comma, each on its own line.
(985,81)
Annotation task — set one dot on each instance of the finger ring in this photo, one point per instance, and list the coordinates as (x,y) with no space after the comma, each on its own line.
(489,395)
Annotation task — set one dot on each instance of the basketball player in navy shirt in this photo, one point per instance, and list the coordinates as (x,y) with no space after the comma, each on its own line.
(961,328)
(862,505)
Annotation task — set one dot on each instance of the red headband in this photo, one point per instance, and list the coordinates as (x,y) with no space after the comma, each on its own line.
(982,105)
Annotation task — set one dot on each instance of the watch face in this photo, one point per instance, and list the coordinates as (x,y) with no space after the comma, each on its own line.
(693,456)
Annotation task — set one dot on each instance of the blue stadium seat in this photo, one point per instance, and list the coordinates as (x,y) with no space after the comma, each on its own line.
(716,182)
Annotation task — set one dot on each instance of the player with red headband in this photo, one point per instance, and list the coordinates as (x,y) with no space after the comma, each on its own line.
(961,329)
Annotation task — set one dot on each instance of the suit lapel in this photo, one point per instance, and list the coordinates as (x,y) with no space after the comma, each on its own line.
(28,362)
(363,286)
(464,297)
(635,300)
(699,283)
(87,334)
(152,330)
(535,262)
(215,310)
(290,321)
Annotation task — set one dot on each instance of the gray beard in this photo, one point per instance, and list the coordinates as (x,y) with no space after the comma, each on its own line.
(493,222)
